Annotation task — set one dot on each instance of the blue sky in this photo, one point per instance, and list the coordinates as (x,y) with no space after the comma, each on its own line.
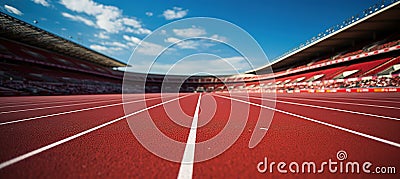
(116,27)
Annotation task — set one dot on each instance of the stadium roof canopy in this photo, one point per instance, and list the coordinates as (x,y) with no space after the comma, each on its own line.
(14,29)
(381,23)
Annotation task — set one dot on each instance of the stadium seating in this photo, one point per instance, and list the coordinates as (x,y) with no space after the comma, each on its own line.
(26,70)
(360,73)
(382,67)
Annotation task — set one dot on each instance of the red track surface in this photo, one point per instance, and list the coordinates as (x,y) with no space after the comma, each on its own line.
(113,150)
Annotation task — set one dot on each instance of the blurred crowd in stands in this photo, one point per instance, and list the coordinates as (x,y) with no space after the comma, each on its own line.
(19,87)
(378,82)
(57,78)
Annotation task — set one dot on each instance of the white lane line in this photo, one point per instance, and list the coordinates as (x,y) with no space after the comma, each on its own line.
(59,106)
(32,101)
(57,102)
(47,147)
(186,169)
(358,99)
(74,111)
(336,102)
(43,103)
(338,98)
(319,122)
(388,98)
(329,108)
(35,103)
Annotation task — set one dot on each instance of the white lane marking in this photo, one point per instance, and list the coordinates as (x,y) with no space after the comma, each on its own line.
(320,122)
(73,111)
(56,102)
(358,99)
(371,98)
(336,102)
(329,108)
(186,169)
(47,147)
(59,106)
(32,101)
(337,98)
(36,103)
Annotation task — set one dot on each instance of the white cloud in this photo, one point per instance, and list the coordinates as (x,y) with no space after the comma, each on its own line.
(13,10)
(193,43)
(175,13)
(102,48)
(220,38)
(86,6)
(163,32)
(78,18)
(229,65)
(139,31)
(117,44)
(151,49)
(213,66)
(108,18)
(137,26)
(197,32)
(42,2)
(145,48)
(131,44)
(102,35)
(108,21)
(98,47)
(131,22)
(132,39)
(109,47)
(190,32)
(171,40)
(188,44)
(149,14)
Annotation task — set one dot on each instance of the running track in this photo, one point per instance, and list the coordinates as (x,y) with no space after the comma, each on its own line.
(89,136)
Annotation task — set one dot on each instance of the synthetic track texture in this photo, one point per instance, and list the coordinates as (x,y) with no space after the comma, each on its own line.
(113,150)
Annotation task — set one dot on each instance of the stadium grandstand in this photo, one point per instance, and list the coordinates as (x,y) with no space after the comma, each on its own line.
(326,109)
(37,62)
(362,56)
